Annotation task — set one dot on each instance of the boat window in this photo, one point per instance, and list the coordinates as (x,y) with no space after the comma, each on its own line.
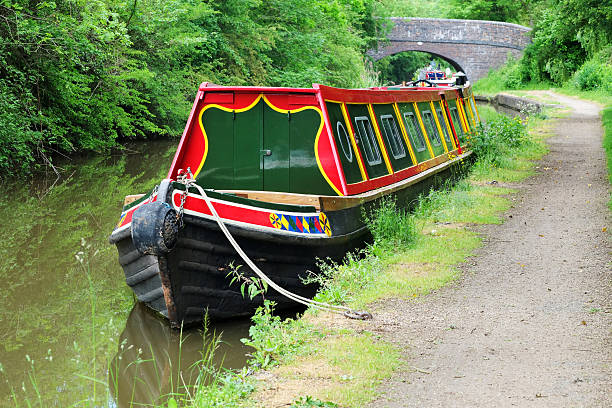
(456,121)
(368,140)
(473,109)
(414,131)
(343,138)
(392,136)
(432,130)
(444,128)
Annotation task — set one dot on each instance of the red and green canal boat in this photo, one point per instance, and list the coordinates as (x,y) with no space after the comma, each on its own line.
(288,170)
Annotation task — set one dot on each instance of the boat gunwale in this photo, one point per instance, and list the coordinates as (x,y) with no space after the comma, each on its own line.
(326,203)
(333,203)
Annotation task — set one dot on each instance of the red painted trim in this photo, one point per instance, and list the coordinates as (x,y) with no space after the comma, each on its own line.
(332,142)
(450,120)
(179,151)
(247,215)
(367,96)
(382,181)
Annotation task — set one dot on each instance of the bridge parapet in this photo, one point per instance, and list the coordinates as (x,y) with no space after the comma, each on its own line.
(473,46)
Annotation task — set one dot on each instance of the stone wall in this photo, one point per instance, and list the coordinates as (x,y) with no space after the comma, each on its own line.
(472,46)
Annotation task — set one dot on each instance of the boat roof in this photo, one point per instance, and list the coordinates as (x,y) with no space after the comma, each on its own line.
(381,94)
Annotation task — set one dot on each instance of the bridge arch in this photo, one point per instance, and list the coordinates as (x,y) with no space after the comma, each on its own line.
(472,46)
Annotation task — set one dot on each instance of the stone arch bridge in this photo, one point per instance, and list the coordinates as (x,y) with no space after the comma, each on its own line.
(471,46)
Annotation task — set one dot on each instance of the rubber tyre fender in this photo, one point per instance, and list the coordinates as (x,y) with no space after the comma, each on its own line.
(154,228)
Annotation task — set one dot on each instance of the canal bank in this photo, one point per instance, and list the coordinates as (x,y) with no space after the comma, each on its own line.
(528,324)
(330,358)
(523,304)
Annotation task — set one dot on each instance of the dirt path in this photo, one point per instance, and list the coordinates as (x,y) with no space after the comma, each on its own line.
(530,322)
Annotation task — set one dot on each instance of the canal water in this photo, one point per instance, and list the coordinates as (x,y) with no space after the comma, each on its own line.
(72,334)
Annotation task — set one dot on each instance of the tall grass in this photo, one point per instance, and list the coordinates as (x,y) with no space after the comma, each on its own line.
(496,139)
(391,227)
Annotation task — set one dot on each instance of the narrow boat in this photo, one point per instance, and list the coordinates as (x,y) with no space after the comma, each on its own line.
(289,171)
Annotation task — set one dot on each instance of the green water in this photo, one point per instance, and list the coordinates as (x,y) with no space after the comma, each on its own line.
(68,325)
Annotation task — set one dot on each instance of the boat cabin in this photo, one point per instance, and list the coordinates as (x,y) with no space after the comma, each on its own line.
(323,140)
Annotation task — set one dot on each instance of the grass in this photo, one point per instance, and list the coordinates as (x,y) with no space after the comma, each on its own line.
(412,254)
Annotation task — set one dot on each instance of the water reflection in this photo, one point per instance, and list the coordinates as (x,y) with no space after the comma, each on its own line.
(54,340)
(152,360)
(504,109)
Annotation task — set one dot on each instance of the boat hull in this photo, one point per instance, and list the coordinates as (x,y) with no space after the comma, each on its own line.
(191,280)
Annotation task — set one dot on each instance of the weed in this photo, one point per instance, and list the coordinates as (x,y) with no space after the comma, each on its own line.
(338,283)
(273,338)
(495,139)
(253,286)
(390,226)
(310,402)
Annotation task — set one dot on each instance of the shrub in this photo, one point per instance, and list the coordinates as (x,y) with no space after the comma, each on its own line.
(596,73)
(390,226)
(496,138)
(509,76)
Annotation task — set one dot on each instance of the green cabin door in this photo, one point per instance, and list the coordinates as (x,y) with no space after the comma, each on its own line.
(275,150)
(261,149)
(248,139)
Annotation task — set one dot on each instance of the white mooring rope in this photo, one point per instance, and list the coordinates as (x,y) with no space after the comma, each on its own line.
(297,298)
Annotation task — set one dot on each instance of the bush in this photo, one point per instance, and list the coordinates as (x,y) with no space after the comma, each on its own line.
(511,75)
(496,138)
(86,75)
(390,226)
(596,73)
(16,138)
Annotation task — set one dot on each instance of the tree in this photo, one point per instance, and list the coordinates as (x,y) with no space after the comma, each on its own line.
(510,11)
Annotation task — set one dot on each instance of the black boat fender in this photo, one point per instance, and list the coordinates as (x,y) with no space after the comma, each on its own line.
(154,228)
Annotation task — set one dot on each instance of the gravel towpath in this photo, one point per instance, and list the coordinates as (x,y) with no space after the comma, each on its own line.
(529,323)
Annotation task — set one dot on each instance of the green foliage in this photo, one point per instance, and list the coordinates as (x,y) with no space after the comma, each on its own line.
(81,75)
(412,8)
(496,10)
(565,35)
(555,52)
(16,138)
(310,402)
(227,390)
(596,73)
(390,226)
(338,283)
(273,338)
(495,139)
(250,286)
